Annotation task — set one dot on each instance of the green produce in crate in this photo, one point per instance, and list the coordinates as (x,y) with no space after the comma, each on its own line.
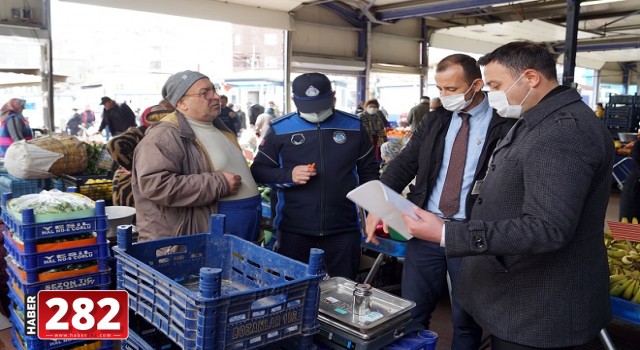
(93,156)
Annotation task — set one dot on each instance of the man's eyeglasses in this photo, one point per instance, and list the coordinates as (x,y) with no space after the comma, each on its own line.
(207,93)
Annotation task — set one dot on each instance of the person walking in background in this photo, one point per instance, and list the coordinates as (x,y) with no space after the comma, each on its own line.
(418,112)
(388,152)
(535,272)
(262,124)
(73,125)
(189,166)
(599,110)
(436,104)
(241,117)
(448,155)
(13,125)
(375,123)
(88,117)
(313,158)
(254,111)
(227,115)
(116,117)
(274,107)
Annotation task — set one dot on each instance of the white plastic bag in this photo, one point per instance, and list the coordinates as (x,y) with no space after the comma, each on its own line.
(26,161)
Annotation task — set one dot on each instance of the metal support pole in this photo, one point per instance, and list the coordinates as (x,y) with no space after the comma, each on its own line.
(47,70)
(424,58)
(571,42)
(362,84)
(288,52)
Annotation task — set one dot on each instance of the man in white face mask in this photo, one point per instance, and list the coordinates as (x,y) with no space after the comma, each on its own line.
(448,154)
(535,271)
(313,158)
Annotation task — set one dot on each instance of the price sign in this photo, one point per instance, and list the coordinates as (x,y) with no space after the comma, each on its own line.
(80,314)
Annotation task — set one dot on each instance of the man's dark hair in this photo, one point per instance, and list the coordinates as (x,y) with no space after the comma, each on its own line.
(224,97)
(469,66)
(520,55)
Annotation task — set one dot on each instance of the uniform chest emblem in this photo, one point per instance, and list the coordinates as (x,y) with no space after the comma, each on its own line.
(312,91)
(297,139)
(339,137)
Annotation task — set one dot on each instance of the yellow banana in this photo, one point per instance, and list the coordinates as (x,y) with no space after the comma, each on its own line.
(616,278)
(634,221)
(625,260)
(618,253)
(624,220)
(636,297)
(628,292)
(620,287)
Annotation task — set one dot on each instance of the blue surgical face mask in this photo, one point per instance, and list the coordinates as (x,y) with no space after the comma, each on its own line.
(498,101)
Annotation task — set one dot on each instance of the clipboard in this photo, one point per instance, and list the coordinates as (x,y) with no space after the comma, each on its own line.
(377,198)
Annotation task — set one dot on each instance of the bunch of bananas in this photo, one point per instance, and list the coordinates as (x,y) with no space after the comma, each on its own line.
(624,266)
(97,188)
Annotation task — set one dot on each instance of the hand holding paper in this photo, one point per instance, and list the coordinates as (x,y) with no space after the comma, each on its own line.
(385,203)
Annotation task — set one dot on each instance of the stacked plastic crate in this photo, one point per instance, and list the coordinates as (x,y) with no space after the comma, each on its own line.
(622,113)
(19,187)
(54,255)
(215,291)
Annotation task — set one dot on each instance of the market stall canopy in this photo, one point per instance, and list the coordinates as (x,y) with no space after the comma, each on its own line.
(12,77)
(609,29)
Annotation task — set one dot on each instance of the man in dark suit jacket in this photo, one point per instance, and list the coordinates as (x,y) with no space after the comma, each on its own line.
(428,157)
(535,271)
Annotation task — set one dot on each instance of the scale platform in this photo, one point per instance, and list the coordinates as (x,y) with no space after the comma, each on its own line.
(341,329)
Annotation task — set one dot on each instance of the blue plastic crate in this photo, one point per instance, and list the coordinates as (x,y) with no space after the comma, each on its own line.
(32,261)
(96,280)
(144,336)
(28,231)
(57,184)
(19,187)
(619,122)
(22,342)
(387,246)
(137,342)
(625,310)
(266,210)
(244,297)
(421,340)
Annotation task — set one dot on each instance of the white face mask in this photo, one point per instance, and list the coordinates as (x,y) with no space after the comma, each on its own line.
(372,110)
(457,102)
(317,117)
(498,101)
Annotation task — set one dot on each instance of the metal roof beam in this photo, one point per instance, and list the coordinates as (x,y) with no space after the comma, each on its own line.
(437,8)
(601,46)
(345,12)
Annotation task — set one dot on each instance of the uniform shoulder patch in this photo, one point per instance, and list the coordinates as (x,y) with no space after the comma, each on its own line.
(352,116)
(279,119)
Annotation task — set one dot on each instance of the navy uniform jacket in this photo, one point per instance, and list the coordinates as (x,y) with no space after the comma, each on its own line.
(342,153)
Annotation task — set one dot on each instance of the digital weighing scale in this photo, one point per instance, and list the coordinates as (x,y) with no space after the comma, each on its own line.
(340,328)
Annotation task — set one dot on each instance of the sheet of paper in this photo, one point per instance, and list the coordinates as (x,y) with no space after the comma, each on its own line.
(382,201)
